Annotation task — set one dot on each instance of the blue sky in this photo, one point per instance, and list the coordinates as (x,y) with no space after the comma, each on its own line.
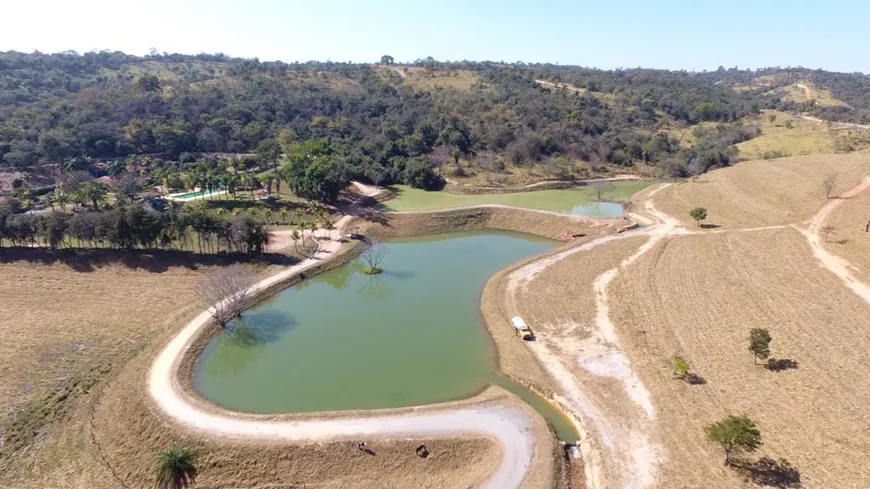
(687,34)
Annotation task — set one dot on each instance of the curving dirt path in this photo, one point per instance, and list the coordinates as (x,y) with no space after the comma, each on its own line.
(615,453)
(510,426)
(833,263)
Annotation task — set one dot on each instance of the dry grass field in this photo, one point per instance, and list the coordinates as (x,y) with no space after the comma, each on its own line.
(79,337)
(762,193)
(849,240)
(68,328)
(805,137)
(423,79)
(805,91)
(698,296)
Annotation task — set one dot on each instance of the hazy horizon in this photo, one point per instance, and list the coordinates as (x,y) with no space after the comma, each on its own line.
(668,34)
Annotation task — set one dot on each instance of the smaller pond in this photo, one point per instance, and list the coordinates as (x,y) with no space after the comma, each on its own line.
(577,200)
(344,340)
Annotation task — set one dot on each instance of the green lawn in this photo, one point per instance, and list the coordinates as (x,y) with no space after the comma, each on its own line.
(804,138)
(575,200)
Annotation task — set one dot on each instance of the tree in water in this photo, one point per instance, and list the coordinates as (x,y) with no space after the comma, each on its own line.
(373,257)
(734,434)
(176,469)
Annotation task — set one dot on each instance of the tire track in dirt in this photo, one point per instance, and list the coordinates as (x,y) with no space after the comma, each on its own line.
(833,263)
(614,454)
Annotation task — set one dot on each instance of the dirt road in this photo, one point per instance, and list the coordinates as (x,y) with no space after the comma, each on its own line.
(616,454)
(510,426)
(835,264)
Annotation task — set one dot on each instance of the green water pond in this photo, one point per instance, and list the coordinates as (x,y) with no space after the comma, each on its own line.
(344,340)
(577,200)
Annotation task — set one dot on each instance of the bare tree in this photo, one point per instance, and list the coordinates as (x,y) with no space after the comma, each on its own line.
(373,256)
(827,231)
(601,187)
(226,292)
(829,184)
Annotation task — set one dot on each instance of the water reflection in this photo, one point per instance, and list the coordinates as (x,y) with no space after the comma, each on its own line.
(375,287)
(238,344)
(338,277)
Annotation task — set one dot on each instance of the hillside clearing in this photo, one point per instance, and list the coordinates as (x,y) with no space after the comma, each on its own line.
(813,416)
(804,138)
(763,193)
(806,92)
(428,79)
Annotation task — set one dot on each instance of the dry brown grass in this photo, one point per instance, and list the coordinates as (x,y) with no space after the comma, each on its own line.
(429,80)
(80,339)
(849,239)
(804,137)
(699,296)
(762,193)
(65,333)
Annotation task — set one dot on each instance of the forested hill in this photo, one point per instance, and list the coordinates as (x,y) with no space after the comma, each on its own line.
(379,119)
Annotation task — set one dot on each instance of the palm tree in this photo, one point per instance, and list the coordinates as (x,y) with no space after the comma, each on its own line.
(296,237)
(49,199)
(116,167)
(61,198)
(269,179)
(250,182)
(283,213)
(230,182)
(95,192)
(175,468)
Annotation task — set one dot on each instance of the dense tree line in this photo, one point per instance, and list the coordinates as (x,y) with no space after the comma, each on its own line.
(132,227)
(64,108)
